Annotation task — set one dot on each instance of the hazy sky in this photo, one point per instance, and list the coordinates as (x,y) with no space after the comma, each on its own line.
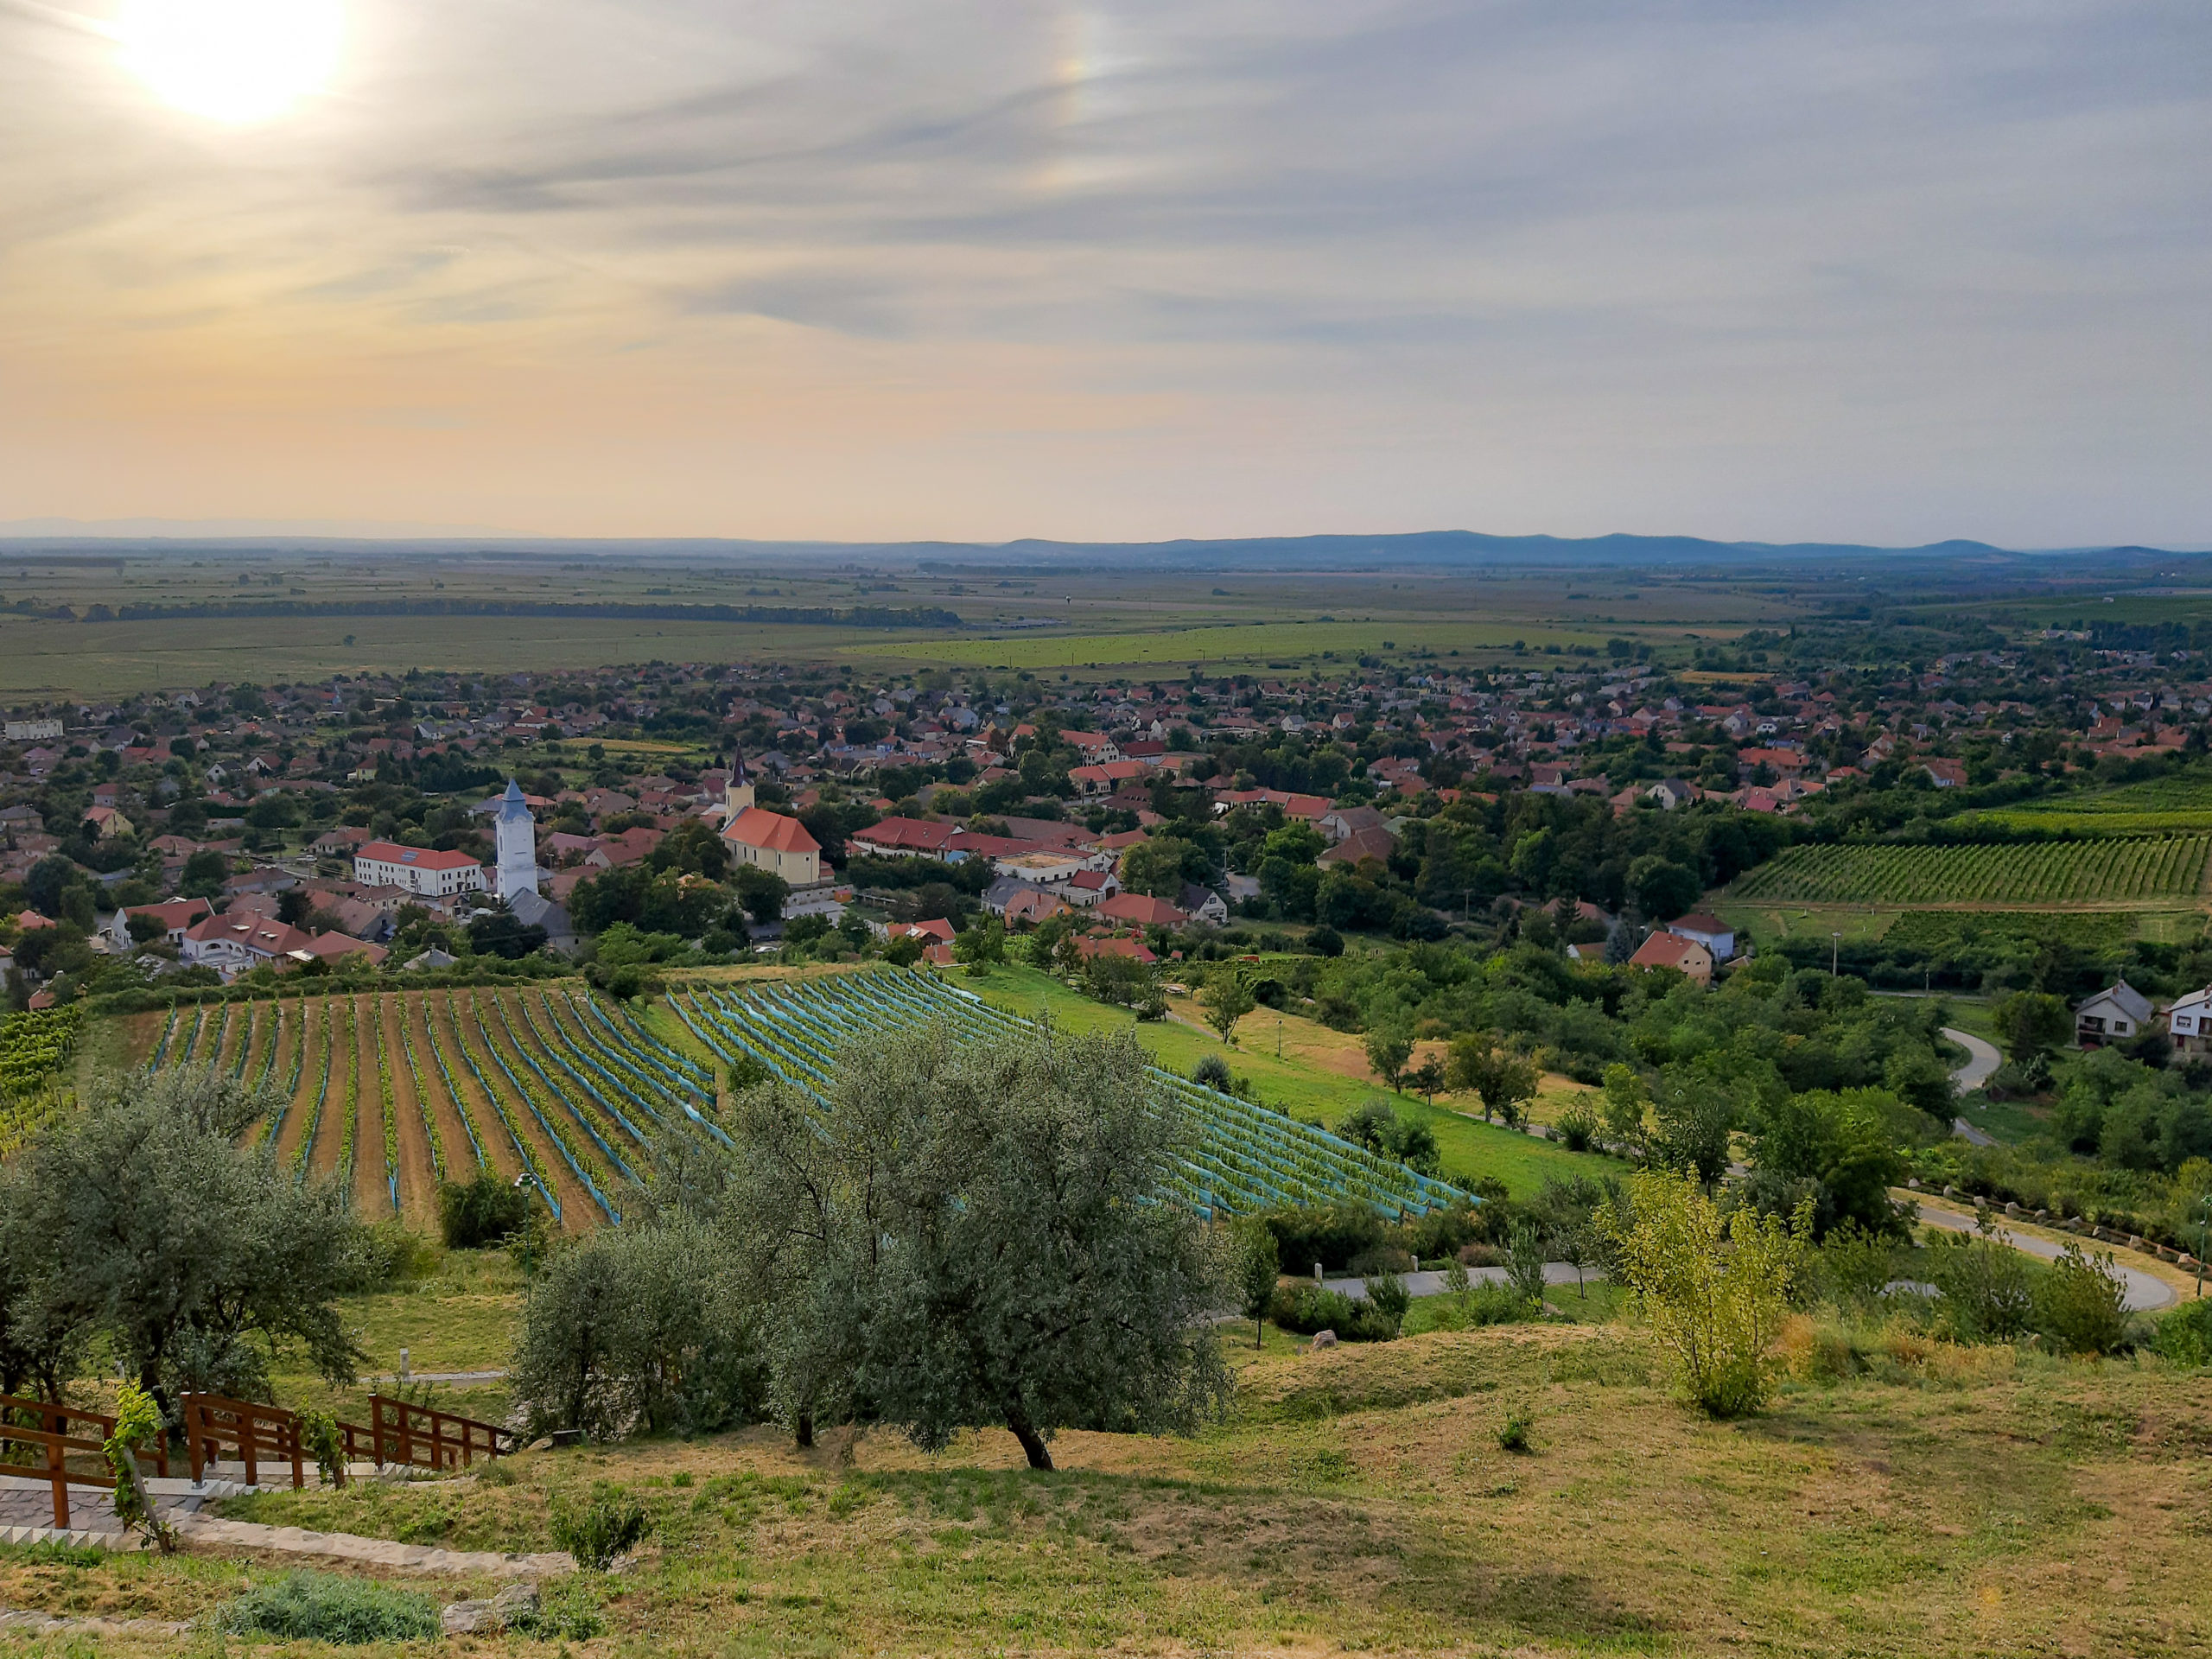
(1878,269)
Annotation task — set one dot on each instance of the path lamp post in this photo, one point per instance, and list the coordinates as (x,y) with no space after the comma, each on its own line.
(2203,1224)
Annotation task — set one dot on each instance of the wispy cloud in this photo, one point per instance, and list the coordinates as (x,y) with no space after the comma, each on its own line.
(1870,269)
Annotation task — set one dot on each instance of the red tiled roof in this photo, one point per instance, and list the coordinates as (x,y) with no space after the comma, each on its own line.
(417,858)
(758,827)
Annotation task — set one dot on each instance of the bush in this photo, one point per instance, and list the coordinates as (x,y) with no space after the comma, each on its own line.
(1513,1433)
(609,1528)
(1329,1234)
(1577,1127)
(1308,1308)
(2082,1303)
(1857,1265)
(1985,1286)
(1212,1072)
(2185,1335)
(485,1210)
(329,1608)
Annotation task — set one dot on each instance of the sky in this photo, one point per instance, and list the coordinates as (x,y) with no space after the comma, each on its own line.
(1875,270)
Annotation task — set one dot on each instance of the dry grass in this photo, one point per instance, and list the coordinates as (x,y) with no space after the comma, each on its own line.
(1975,1502)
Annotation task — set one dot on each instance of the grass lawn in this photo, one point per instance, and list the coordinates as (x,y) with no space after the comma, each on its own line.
(462,1317)
(1987,1501)
(1299,1084)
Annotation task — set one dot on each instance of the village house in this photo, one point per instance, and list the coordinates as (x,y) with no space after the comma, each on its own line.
(1708,930)
(2116,1012)
(1669,950)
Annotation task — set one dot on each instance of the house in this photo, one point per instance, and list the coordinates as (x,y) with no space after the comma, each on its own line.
(2119,1011)
(230,944)
(2189,1022)
(1088,887)
(334,842)
(1671,792)
(906,838)
(418,869)
(1708,930)
(1945,774)
(175,917)
(1376,842)
(1108,776)
(107,822)
(1141,910)
(1095,748)
(936,932)
(1342,823)
(1032,906)
(1203,904)
(1671,950)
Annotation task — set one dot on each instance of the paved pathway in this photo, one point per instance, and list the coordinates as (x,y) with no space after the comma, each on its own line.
(2145,1291)
(1982,1059)
(377,1552)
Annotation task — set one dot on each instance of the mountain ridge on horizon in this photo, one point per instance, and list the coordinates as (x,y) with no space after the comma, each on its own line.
(1416,548)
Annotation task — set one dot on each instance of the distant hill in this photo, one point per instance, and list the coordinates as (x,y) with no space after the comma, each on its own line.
(1440,549)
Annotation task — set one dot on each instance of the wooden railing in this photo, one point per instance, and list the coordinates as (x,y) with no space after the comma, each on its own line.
(54,1418)
(211,1423)
(417,1436)
(55,1468)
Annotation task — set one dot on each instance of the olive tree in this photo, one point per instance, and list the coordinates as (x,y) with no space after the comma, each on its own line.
(142,1222)
(977,1235)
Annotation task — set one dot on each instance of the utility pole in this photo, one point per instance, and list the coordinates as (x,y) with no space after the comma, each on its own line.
(1835,953)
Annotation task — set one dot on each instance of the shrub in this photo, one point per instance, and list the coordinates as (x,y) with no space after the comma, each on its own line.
(2081,1304)
(1329,1234)
(329,1608)
(1577,1127)
(1308,1308)
(1715,1288)
(1212,1072)
(2185,1335)
(1985,1286)
(481,1211)
(1524,1263)
(607,1529)
(1857,1265)
(1489,1303)
(1513,1433)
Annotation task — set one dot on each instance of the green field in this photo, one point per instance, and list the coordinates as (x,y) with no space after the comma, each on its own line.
(1244,644)
(1469,1148)
(2142,872)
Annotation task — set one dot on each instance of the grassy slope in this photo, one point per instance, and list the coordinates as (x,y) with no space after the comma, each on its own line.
(1990,1503)
(1299,1085)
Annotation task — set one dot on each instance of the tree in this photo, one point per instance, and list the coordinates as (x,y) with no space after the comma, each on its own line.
(1693,1115)
(1840,1150)
(2031,1026)
(971,1235)
(636,1328)
(1715,1289)
(1503,1078)
(2082,1303)
(1257,1266)
(1626,1101)
(1661,888)
(1388,1047)
(139,1221)
(499,932)
(203,875)
(1227,999)
(1427,1078)
(981,946)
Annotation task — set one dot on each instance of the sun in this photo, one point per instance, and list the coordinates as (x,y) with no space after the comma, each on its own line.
(232,61)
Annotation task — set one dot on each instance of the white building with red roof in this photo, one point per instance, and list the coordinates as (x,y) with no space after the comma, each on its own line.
(768,841)
(418,869)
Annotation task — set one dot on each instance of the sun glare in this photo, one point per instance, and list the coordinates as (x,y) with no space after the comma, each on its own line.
(234,60)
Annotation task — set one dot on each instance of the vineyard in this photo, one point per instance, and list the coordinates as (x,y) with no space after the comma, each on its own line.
(2139,871)
(36,1049)
(1247,1157)
(393,1093)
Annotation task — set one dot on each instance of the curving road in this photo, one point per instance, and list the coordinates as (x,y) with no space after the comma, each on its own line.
(1982,1059)
(2145,1291)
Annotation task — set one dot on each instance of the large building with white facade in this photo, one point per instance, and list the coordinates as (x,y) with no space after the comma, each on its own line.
(417,869)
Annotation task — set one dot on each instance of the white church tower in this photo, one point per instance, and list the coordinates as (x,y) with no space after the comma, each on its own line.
(517,843)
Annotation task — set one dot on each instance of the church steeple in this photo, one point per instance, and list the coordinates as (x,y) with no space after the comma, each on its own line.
(739,794)
(516,831)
